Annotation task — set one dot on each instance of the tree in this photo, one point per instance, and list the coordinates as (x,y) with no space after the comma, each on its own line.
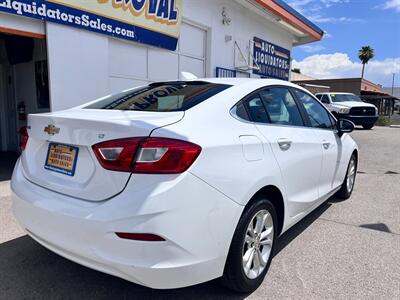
(365,54)
(296,70)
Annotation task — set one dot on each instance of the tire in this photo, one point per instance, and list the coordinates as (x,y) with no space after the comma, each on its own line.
(235,277)
(347,186)
(368,126)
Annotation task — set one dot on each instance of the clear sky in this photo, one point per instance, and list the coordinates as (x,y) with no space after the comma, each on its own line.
(350,24)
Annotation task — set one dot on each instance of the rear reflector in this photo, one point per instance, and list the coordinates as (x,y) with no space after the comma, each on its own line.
(110,153)
(23,138)
(146,237)
(147,155)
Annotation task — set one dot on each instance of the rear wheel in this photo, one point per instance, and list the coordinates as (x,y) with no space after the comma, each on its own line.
(251,249)
(368,126)
(348,184)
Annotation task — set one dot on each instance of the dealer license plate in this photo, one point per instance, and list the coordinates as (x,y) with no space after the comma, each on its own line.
(61,158)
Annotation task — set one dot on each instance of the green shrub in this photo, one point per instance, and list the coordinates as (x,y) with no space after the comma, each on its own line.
(383,121)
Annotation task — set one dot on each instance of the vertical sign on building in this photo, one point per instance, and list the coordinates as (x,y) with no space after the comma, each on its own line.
(270,60)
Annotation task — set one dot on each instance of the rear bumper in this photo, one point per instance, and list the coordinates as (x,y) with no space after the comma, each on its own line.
(194,224)
(359,120)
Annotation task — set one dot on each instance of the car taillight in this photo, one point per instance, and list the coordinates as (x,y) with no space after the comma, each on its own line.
(23,138)
(165,156)
(117,155)
(150,155)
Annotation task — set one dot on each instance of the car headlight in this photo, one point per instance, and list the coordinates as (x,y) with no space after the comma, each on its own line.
(344,110)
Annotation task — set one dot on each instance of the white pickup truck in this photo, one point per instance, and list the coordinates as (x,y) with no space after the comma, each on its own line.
(351,107)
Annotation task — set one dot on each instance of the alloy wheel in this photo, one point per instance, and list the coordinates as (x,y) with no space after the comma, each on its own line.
(257,245)
(351,175)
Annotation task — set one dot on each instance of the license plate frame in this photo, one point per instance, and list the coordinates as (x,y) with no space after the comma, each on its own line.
(61,164)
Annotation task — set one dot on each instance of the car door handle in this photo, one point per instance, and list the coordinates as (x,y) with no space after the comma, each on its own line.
(326,144)
(284,144)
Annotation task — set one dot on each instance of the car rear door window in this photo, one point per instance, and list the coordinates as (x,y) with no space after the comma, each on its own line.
(281,106)
(333,121)
(318,115)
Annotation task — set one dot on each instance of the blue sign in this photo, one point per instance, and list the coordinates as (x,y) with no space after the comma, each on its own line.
(270,60)
(152,22)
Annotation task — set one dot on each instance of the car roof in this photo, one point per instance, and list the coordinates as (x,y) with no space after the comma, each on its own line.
(251,83)
(234,81)
(240,81)
(336,93)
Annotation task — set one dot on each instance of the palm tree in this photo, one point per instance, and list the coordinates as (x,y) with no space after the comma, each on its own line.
(365,54)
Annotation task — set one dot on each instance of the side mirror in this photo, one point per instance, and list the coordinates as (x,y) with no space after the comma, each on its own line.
(344,126)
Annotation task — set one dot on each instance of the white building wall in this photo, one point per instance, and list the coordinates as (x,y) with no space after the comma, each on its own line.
(22,23)
(244,25)
(78,68)
(85,65)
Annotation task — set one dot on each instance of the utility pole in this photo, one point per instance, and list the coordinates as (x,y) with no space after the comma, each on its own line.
(393,85)
(392,102)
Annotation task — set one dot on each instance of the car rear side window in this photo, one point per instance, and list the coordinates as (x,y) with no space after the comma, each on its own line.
(281,106)
(241,112)
(256,109)
(161,97)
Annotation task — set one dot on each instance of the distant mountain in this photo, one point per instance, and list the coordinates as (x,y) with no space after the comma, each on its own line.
(396,91)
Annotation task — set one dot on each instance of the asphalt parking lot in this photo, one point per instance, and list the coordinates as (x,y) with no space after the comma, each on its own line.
(343,250)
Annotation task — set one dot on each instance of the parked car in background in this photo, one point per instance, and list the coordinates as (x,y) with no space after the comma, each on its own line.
(177,183)
(397,105)
(351,107)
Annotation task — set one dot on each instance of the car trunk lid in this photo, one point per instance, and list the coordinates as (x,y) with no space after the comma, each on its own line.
(59,153)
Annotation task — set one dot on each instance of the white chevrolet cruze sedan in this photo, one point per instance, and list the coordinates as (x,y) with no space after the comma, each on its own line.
(177,183)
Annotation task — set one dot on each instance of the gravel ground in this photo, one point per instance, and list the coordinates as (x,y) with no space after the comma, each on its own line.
(343,250)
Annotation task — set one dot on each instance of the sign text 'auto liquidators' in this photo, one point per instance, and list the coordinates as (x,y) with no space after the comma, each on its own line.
(271,60)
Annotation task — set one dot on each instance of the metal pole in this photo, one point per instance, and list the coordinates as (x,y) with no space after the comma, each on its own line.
(393,85)
(392,102)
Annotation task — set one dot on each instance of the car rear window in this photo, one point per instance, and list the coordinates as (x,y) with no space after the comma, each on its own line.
(167,96)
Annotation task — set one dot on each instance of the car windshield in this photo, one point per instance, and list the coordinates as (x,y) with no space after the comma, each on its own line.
(161,97)
(345,98)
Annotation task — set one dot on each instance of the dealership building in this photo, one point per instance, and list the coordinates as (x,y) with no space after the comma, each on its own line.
(57,54)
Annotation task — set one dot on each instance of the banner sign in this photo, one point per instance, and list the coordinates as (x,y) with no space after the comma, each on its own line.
(272,61)
(152,22)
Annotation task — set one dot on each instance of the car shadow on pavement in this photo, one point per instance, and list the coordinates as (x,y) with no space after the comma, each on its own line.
(301,226)
(30,271)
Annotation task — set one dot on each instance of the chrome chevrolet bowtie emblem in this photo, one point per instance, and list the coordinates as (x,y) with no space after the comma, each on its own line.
(364,110)
(51,129)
